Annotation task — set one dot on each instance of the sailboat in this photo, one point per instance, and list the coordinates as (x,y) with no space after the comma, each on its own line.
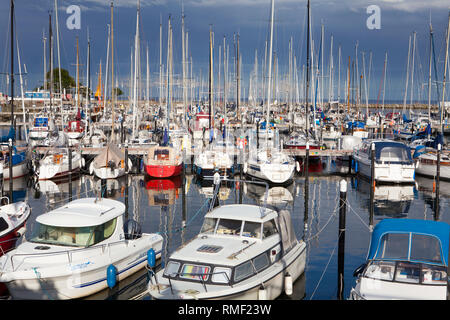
(109,163)
(57,164)
(269,163)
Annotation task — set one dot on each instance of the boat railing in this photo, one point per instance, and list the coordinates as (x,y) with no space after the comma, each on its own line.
(200,276)
(70,253)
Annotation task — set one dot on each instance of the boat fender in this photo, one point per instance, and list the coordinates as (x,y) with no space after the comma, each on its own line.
(82,162)
(245,167)
(151,258)
(111,275)
(356,166)
(288,284)
(297,165)
(21,232)
(262,293)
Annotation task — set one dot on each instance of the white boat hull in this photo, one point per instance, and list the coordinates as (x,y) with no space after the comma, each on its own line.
(19,170)
(59,170)
(274,173)
(84,275)
(389,173)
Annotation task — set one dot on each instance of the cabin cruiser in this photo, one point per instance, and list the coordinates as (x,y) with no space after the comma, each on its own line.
(40,129)
(242,252)
(407,259)
(72,247)
(393,162)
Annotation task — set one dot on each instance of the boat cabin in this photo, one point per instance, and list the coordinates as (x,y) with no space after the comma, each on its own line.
(80,223)
(388,152)
(235,243)
(406,252)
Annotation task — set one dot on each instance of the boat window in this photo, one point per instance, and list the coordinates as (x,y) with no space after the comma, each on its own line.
(171,268)
(435,275)
(243,271)
(380,270)
(209,225)
(73,236)
(425,248)
(221,275)
(394,246)
(269,228)
(252,229)
(408,272)
(261,262)
(195,272)
(229,226)
(393,154)
(3,225)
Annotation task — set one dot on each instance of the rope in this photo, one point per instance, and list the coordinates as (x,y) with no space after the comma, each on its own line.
(324,271)
(187,223)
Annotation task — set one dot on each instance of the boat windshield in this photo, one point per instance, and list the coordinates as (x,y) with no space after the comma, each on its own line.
(411,247)
(406,272)
(72,236)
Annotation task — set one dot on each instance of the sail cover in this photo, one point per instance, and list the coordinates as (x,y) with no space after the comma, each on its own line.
(109,153)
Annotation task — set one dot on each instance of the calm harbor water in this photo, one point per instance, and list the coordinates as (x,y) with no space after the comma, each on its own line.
(160,210)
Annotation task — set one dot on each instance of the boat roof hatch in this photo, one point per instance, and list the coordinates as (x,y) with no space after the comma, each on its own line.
(83,213)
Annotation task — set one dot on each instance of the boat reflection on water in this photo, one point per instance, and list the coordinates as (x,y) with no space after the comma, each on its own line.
(428,187)
(206,188)
(276,195)
(316,166)
(109,188)
(389,200)
(163,192)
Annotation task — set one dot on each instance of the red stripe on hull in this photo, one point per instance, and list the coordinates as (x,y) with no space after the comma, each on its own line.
(163,171)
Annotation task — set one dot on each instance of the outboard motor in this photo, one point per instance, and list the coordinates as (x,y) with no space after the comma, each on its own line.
(132,229)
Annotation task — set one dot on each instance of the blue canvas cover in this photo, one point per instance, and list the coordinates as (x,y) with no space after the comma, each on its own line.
(437,229)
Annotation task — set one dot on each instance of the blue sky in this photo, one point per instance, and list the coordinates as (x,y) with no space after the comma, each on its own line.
(345,19)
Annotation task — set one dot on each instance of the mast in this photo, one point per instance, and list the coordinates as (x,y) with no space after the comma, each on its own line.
(384,78)
(59,56)
(445,75)
(183,62)
(136,71)
(44,40)
(51,57)
(88,83)
(307,68)
(429,75)
(12,71)
(237,79)
(412,70)
(160,64)
(211,124)
(407,77)
(106,70)
(78,81)
(112,74)
(270,67)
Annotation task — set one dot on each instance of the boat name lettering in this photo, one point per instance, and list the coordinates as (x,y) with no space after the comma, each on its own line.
(80,265)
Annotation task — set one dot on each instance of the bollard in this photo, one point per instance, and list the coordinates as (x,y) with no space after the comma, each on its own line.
(372,183)
(438,173)
(70,174)
(341,235)
(126,159)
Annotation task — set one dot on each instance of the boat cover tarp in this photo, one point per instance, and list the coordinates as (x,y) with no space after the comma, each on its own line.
(286,230)
(356,124)
(404,152)
(10,135)
(437,229)
(109,153)
(405,119)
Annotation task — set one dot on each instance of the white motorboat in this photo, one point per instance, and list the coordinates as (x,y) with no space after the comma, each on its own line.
(393,162)
(109,163)
(95,139)
(77,250)
(426,163)
(55,164)
(270,165)
(242,252)
(330,133)
(407,260)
